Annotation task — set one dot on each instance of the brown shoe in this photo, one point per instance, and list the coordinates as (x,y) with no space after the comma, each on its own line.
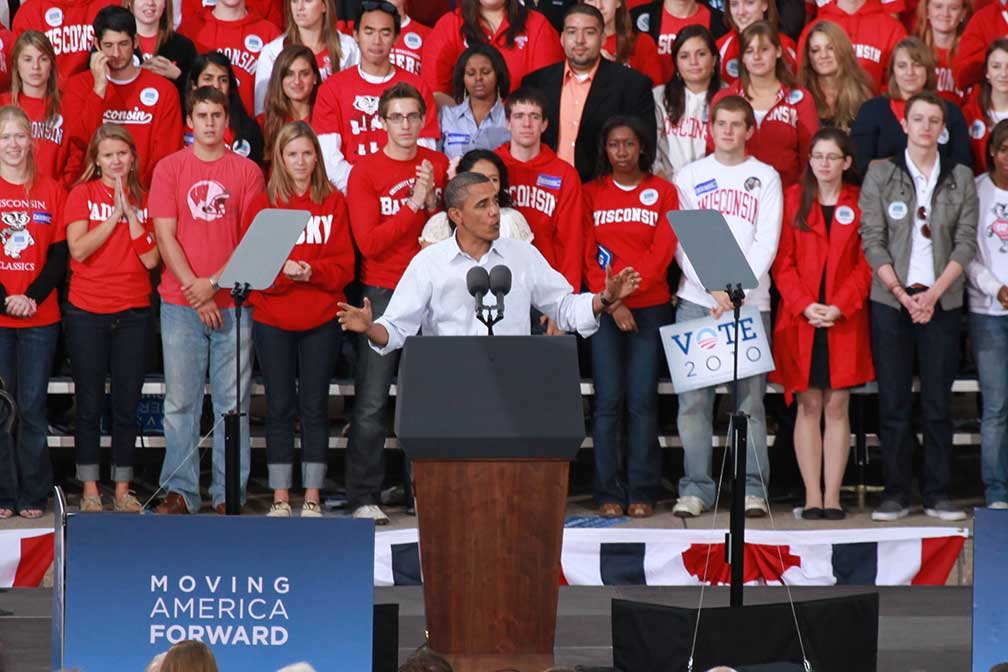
(173,505)
(221,509)
(611,510)
(640,510)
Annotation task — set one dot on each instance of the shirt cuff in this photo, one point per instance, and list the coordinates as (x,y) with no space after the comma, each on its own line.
(586,321)
(395,339)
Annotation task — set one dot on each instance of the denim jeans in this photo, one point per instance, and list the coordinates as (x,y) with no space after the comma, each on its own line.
(26,357)
(626,367)
(189,347)
(989,334)
(696,420)
(365,456)
(896,340)
(297,367)
(100,344)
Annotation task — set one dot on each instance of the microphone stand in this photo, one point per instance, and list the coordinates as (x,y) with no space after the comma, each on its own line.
(735,546)
(483,312)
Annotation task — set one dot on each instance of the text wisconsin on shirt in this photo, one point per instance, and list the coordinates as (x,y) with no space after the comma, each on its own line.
(731,202)
(530,196)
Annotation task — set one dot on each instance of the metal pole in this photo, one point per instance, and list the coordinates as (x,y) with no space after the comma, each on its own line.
(739,437)
(232,420)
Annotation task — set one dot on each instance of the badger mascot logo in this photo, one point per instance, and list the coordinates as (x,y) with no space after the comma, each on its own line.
(207,200)
(15,235)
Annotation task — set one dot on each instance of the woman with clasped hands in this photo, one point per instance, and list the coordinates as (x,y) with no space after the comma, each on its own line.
(431,293)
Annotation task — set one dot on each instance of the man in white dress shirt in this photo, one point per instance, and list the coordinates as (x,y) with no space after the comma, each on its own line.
(432,293)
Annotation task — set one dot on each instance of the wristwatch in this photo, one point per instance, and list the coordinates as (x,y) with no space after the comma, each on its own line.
(605,302)
(213,284)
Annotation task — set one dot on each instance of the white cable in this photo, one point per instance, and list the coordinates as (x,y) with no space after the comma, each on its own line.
(184,460)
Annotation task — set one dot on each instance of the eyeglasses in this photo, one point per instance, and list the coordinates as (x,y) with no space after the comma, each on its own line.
(922,216)
(397,119)
(380,6)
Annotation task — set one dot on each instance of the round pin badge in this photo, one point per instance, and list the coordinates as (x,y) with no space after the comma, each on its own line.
(897,210)
(844,214)
(649,197)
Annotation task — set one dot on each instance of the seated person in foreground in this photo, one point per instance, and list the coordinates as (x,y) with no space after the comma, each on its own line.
(432,293)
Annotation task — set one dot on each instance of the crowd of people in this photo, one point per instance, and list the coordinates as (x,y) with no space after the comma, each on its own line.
(858,150)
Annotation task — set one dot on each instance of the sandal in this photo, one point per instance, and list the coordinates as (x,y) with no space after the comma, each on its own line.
(32,513)
(6,513)
(640,510)
(90,504)
(128,503)
(311,510)
(611,510)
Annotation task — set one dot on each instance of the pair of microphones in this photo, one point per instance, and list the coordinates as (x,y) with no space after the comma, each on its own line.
(496,282)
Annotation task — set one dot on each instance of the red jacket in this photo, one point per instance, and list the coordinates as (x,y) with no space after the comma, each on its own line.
(984,27)
(979,130)
(797,271)
(782,139)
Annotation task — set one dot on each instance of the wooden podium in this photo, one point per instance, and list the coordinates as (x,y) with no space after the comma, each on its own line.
(491,425)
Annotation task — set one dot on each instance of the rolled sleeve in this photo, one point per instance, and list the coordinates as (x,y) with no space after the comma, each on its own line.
(396,337)
(574,313)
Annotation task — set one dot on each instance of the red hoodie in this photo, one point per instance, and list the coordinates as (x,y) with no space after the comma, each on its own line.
(241,41)
(979,130)
(782,139)
(6,51)
(67,24)
(873,32)
(271,10)
(386,230)
(326,246)
(547,191)
(628,228)
(985,26)
(536,48)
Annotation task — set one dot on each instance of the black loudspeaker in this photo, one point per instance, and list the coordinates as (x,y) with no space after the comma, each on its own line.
(385,642)
(839,634)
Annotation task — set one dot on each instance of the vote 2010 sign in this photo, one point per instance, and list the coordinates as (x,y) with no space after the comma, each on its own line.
(700,352)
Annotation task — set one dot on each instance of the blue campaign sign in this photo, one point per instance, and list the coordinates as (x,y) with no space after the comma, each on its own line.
(990,586)
(261,592)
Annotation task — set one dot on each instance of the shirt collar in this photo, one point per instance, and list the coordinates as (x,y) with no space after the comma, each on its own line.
(569,74)
(920,181)
(457,254)
(464,111)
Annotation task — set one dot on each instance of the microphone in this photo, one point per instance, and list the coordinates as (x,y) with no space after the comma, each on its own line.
(478,284)
(500,285)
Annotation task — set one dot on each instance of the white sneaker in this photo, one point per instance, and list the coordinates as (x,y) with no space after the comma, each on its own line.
(373,512)
(755,507)
(689,506)
(279,510)
(1000,506)
(311,510)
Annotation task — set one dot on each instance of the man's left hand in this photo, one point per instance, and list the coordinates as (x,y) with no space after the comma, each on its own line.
(621,285)
(198,292)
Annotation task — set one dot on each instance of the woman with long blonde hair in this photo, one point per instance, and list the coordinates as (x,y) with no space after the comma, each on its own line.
(31,209)
(311,23)
(831,73)
(35,89)
(940,24)
(108,316)
(295,330)
(291,93)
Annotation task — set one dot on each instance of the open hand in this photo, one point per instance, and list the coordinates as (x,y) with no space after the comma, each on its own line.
(354,319)
(621,285)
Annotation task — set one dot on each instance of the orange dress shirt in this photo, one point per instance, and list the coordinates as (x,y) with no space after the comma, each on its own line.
(573,95)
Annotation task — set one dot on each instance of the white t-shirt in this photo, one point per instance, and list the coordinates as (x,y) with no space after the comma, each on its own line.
(921,269)
(749,197)
(989,271)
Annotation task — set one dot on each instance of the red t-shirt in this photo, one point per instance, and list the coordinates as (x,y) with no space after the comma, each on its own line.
(407,51)
(241,41)
(208,200)
(326,246)
(52,138)
(536,48)
(728,46)
(670,27)
(629,228)
(29,224)
(271,10)
(547,191)
(347,105)
(148,107)
(386,230)
(67,24)
(644,58)
(113,278)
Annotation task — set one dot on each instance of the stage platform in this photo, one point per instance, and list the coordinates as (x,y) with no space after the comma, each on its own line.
(922,629)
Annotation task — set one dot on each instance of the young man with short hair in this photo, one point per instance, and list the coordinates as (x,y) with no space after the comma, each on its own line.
(748,195)
(117,90)
(198,201)
(346,116)
(390,195)
(918,228)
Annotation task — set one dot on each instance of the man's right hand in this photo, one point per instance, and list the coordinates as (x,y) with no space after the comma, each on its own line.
(354,319)
(99,70)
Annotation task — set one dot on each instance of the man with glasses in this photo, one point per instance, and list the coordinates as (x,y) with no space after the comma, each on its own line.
(918,226)
(391,194)
(346,108)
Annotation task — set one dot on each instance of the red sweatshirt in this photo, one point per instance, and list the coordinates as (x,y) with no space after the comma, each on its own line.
(547,190)
(148,107)
(728,46)
(672,26)
(386,230)
(112,278)
(29,224)
(407,53)
(271,10)
(948,87)
(628,228)
(782,139)
(979,131)
(6,51)
(67,24)
(644,58)
(52,139)
(873,32)
(536,48)
(241,41)
(985,26)
(326,246)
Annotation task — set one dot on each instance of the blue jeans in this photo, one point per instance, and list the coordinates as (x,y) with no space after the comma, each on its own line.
(626,367)
(297,367)
(26,357)
(189,347)
(989,334)
(696,427)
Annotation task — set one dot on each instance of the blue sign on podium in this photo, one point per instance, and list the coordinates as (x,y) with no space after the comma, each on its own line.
(990,586)
(261,592)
